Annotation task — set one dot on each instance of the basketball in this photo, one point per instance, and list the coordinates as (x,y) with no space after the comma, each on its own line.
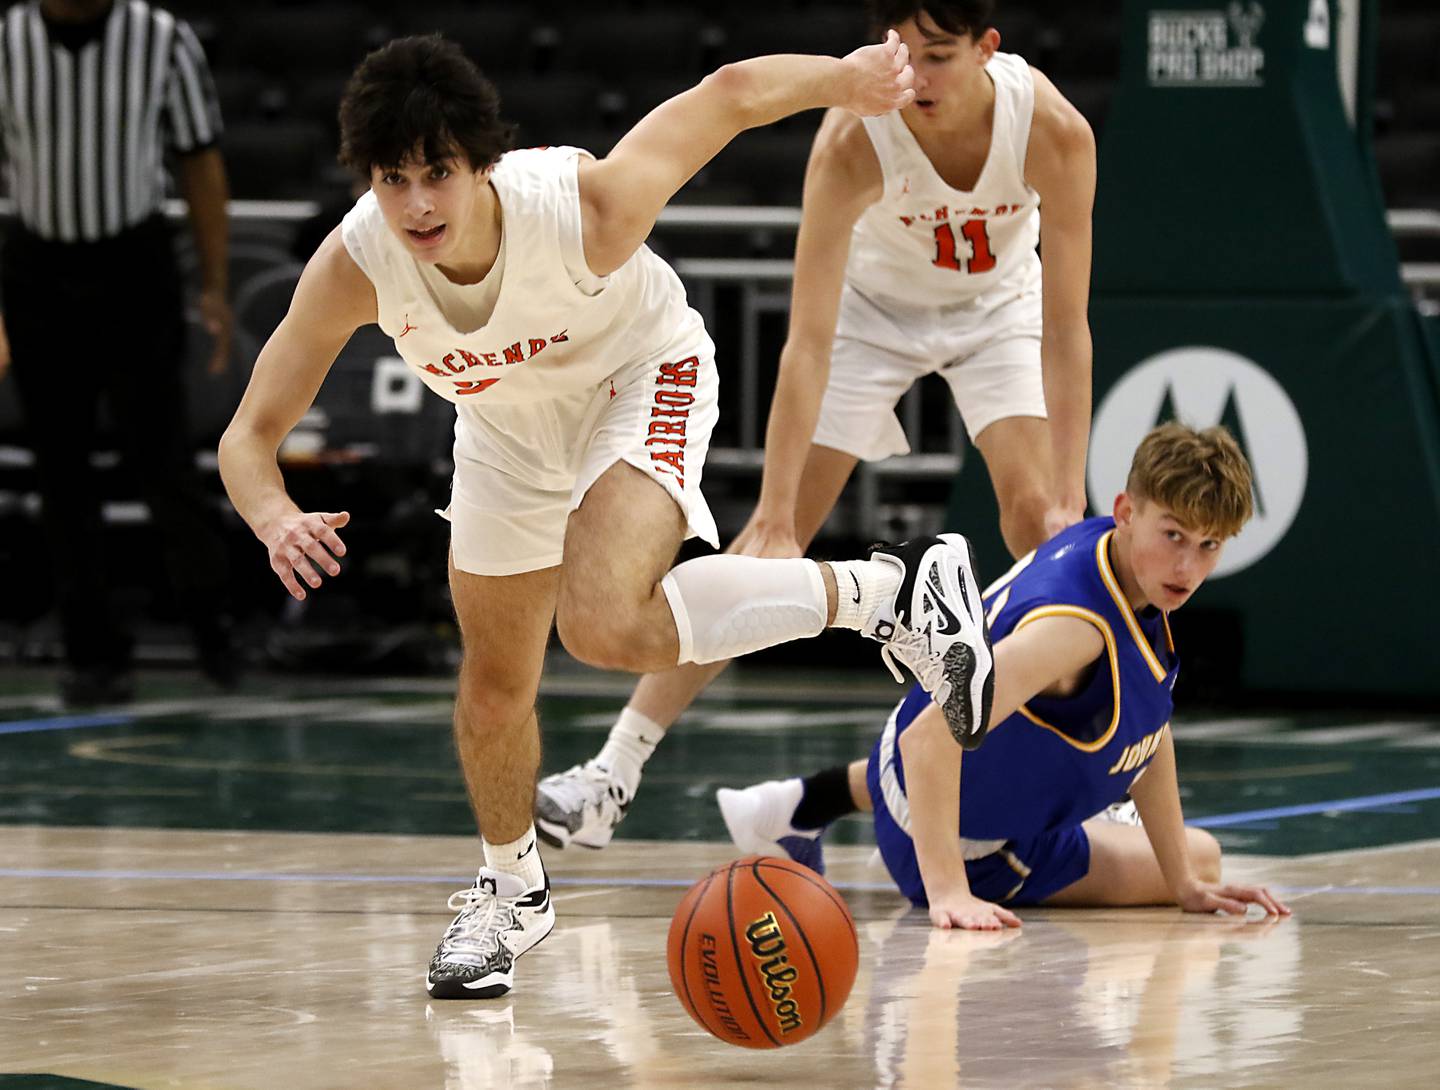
(762,952)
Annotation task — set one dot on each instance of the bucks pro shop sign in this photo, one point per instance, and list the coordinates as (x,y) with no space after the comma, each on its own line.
(1207,48)
(1202,386)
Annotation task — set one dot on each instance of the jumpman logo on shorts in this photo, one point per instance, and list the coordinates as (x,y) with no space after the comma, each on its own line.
(407,329)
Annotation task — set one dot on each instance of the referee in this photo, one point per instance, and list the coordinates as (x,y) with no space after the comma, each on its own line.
(92,95)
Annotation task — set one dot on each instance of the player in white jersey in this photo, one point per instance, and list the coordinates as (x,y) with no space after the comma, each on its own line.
(916,253)
(517,285)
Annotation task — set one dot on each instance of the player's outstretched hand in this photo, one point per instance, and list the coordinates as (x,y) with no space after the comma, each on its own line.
(881,78)
(970,913)
(767,537)
(305,544)
(1230,899)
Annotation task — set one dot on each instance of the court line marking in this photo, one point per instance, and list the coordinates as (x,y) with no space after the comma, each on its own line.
(64,722)
(1361,802)
(596,883)
(362,879)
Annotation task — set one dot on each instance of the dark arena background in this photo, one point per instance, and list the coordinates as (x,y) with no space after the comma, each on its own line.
(238,887)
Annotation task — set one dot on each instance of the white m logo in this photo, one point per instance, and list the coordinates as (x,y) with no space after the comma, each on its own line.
(1202,386)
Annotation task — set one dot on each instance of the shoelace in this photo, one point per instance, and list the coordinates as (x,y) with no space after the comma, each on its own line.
(580,786)
(475,934)
(913,649)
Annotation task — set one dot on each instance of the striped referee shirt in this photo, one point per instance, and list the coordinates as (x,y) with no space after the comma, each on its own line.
(88,111)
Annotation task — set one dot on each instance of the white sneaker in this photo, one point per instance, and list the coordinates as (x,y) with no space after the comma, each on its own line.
(758,818)
(936,627)
(1123,812)
(581,806)
(499,920)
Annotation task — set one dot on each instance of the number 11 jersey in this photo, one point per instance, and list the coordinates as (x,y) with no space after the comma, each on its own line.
(925,242)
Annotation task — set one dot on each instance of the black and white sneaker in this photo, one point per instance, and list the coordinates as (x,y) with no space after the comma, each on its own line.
(936,626)
(499,920)
(579,806)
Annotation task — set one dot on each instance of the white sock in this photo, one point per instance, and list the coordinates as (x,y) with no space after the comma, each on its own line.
(725,606)
(861,587)
(632,739)
(779,816)
(520,857)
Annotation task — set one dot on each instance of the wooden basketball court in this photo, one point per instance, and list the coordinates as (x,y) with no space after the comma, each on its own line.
(201,893)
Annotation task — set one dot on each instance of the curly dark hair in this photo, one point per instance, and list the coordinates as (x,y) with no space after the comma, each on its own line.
(958,17)
(420,94)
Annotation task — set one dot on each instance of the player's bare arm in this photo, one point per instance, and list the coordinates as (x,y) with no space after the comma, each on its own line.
(1157,798)
(622,194)
(1060,165)
(842,179)
(332,300)
(1048,656)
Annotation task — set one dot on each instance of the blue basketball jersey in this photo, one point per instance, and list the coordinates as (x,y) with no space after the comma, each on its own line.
(1057,762)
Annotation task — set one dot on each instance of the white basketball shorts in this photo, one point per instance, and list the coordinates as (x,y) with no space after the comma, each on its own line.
(521,469)
(988,349)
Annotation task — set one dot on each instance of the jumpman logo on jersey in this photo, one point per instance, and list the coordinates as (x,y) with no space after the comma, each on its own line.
(612,389)
(407,329)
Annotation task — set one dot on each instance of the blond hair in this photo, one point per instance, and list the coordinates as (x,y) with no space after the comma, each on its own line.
(1202,477)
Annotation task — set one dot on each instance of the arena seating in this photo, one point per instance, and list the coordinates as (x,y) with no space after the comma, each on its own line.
(568,71)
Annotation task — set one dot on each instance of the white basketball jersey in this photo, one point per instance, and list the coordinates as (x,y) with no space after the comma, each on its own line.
(546,337)
(926,242)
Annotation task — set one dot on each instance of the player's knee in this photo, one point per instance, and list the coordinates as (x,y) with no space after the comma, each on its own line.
(1022,518)
(604,635)
(486,702)
(1205,853)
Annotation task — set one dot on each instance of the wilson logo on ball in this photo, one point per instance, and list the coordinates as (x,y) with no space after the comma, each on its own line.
(762,952)
(767,944)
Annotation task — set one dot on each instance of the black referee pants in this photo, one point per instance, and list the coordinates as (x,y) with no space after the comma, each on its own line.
(104,320)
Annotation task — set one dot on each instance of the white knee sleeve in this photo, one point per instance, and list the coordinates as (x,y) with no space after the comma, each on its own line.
(726,606)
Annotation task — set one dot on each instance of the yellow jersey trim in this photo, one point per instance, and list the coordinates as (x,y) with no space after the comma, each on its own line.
(1104,628)
(1009,577)
(1107,576)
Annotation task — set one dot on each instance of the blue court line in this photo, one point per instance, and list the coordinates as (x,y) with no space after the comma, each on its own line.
(453,881)
(1363,802)
(64,722)
(365,879)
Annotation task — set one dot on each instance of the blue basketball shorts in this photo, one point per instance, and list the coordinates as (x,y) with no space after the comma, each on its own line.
(1014,872)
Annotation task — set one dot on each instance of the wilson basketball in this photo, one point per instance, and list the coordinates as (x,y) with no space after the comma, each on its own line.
(762,952)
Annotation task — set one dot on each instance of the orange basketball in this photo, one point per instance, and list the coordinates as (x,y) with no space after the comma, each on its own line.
(762,952)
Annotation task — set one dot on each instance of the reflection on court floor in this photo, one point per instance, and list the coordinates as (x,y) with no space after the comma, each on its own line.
(243,893)
(159,958)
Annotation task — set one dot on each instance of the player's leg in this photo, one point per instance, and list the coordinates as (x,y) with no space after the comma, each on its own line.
(1123,870)
(998,388)
(920,599)
(663,697)
(789,817)
(856,421)
(610,613)
(504,625)
(1021,479)
(619,543)
(583,804)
